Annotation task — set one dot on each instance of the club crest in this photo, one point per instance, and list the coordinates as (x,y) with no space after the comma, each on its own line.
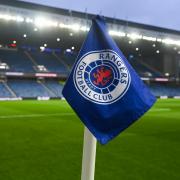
(101,77)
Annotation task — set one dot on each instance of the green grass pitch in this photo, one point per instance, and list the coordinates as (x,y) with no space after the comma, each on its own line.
(42,140)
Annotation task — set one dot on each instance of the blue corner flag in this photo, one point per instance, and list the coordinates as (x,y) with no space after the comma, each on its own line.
(103,89)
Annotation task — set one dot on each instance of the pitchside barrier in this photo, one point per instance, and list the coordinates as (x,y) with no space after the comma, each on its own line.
(58,98)
(31,98)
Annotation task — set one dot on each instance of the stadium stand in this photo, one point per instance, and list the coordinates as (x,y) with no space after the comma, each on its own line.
(27,61)
(36,55)
(52,88)
(68,58)
(49,61)
(142,69)
(164,90)
(4,91)
(16,60)
(22,61)
(19,61)
(29,88)
(55,87)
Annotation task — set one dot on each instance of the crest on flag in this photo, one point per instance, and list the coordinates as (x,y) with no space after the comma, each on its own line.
(101,76)
(103,89)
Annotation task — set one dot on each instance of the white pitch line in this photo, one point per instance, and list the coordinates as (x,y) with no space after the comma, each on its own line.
(35,115)
(160,109)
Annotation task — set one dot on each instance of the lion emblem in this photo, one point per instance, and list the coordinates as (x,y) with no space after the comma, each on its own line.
(102,76)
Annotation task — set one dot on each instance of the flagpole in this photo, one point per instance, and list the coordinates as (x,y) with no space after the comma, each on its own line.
(89,156)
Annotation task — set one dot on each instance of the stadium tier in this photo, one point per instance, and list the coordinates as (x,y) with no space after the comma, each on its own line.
(143,69)
(16,60)
(68,58)
(4,92)
(55,87)
(30,88)
(27,61)
(49,61)
(165,90)
(23,61)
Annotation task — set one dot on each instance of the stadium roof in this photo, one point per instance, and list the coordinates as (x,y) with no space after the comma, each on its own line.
(64,29)
(65,12)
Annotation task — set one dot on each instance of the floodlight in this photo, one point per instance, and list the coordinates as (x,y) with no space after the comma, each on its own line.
(149,38)
(134,36)
(117,33)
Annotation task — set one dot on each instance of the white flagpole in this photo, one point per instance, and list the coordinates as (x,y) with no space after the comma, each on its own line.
(89,156)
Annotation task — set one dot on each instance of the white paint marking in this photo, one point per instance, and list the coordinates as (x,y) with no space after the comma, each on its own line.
(35,115)
(160,109)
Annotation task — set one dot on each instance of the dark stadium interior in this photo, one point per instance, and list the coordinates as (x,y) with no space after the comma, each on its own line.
(51,51)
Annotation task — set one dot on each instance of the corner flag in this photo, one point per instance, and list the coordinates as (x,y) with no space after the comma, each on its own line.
(103,89)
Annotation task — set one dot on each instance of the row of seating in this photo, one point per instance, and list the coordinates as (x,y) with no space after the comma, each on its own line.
(143,70)
(51,63)
(4,92)
(26,61)
(164,90)
(29,88)
(18,61)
